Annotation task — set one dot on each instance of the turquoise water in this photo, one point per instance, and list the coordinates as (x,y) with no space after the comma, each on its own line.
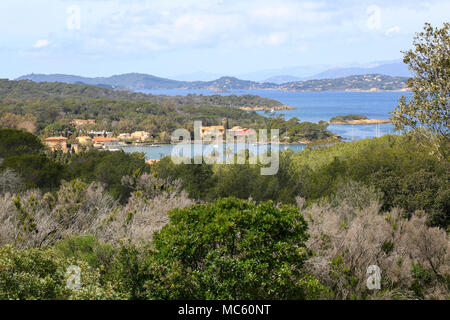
(206,149)
(313,107)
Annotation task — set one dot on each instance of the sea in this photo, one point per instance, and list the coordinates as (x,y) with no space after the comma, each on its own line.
(308,106)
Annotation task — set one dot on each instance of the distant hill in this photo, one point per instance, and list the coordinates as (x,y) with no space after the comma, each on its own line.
(24,90)
(136,82)
(370,82)
(133,81)
(393,69)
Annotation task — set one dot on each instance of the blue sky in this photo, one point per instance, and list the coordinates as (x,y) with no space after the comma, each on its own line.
(227,37)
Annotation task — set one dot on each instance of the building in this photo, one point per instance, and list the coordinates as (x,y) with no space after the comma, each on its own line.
(152,162)
(238,131)
(124,136)
(140,135)
(57,143)
(100,133)
(81,123)
(212,131)
(105,142)
(84,140)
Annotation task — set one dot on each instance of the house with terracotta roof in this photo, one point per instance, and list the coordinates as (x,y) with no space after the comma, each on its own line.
(212,131)
(140,135)
(105,142)
(238,131)
(124,136)
(84,140)
(57,143)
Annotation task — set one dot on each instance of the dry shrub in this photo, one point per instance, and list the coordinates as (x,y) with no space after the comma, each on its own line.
(347,240)
(9,181)
(33,219)
(146,211)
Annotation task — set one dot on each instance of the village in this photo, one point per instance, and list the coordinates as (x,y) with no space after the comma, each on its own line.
(106,140)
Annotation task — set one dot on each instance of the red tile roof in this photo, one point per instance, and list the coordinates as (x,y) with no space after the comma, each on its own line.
(56,139)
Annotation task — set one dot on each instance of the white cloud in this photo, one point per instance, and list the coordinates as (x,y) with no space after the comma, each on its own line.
(392,30)
(41,44)
(274,39)
(374,19)
(141,26)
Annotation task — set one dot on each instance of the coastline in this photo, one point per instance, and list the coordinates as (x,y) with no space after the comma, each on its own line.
(361,122)
(279,108)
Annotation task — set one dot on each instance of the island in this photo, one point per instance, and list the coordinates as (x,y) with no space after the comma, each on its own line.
(356,119)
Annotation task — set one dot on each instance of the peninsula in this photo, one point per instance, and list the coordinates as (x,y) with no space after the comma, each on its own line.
(356,119)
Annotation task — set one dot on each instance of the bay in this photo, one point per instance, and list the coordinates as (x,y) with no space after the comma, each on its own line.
(312,107)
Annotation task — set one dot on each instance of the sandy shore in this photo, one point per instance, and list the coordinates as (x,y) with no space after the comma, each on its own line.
(364,121)
(283,107)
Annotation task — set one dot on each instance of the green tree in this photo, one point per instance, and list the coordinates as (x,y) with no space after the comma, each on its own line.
(16,142)
(37,171)
(427,111)
(232,249)
(108,168)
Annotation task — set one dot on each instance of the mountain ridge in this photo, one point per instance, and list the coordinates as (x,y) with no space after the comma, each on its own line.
(140,81)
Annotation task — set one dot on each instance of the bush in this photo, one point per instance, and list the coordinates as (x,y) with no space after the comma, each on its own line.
(231,249)
(108,168)
(86,248)
(42,274)
(16,143)
(406,175)
(37,171)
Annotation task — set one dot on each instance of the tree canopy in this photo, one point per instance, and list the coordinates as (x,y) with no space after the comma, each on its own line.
(427,111)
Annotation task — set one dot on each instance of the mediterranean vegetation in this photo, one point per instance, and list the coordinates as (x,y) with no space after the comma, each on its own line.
(211,231)
(47,109)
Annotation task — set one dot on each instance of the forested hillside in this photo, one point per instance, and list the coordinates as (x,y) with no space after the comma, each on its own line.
(48,108)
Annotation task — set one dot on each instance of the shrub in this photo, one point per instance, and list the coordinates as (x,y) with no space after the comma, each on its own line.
(231,249)
(16,143)
(42,274)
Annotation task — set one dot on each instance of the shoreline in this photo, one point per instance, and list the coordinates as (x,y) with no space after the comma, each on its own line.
(279,108)
(361,122)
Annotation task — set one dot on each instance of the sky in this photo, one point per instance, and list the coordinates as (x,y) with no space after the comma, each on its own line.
(170,38)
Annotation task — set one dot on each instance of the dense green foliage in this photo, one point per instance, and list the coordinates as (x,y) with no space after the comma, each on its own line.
(107,168)
(37,171)
(17,143)
(38,168)
(427,110)
(230,250)
(406,175)
(42,274)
